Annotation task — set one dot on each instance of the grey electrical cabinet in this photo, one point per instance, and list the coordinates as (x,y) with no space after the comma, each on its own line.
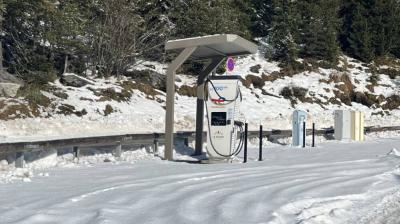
(342,125)
(299,116)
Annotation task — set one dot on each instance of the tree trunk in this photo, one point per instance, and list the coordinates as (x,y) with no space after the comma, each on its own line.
(1,56)
(66,64)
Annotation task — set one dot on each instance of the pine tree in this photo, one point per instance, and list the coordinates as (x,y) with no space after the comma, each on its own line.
(356,35)
(384,22)
(282,35)
(198,17)
(261,17)
(318,29)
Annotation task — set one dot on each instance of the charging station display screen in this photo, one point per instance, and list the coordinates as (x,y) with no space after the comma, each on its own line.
(218,119)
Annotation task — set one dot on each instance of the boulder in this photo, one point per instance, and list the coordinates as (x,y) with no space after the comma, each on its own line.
(9,89)
(74,80)
(149,77)
(255,69)
(6,77)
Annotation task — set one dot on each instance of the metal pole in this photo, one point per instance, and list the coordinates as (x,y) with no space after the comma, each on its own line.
(304,134)
(245,143)
(169,116)
(313,135)
(200,103)
(260,146)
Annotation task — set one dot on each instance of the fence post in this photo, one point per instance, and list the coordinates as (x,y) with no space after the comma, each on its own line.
(245,143)
(304,134)
(260,156)
(19,160)
(313,134)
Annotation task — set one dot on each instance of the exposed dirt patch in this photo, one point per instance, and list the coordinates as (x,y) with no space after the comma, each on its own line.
(108,110)
(392,103)
(186,90)
(67,109)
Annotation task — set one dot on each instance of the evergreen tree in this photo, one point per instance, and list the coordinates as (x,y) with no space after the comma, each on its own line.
(385,17)
(318,26)
(199,17)
(282,35)
(261,17)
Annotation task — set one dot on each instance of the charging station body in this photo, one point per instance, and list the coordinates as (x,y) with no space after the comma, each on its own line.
(222,105)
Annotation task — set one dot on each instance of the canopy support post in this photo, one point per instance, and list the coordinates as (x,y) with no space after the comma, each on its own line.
(169,118)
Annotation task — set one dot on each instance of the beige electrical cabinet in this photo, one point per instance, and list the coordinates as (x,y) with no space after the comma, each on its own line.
(349,125)
(357,126)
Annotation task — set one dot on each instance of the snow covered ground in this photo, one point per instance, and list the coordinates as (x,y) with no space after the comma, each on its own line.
(334,183)
(143,115)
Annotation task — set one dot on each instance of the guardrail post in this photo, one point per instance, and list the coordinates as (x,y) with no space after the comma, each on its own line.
(19,160)
(186,141)
(245,143)
(260,146)
(118,150)
(156,146)
(76,151)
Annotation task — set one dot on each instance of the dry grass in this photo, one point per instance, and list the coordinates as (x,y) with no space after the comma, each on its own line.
(186,90)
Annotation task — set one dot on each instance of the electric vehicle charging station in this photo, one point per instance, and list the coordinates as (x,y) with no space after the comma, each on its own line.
(225,131)
(299,117)
(213,48)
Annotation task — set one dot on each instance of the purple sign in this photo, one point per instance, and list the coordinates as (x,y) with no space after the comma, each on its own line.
(230,64)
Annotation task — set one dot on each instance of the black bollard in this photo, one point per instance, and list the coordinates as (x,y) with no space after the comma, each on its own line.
(245,143)
(304,134)
(313,135)
(260,146)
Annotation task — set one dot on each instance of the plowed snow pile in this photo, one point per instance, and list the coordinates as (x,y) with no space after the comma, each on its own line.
(334,183)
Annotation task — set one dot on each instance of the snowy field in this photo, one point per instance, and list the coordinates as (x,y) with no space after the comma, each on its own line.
(334,183)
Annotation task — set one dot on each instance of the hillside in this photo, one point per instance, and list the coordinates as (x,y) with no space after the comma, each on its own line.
(270,94)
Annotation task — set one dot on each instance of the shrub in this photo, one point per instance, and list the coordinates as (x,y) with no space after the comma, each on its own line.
(34,96)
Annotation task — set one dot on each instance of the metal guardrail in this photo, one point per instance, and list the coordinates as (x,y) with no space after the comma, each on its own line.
(149,139)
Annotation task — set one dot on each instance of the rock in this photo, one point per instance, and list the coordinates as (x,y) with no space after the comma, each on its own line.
(9,89)
(152,78)
(255,69)
(74,80)
(3,163)
(6,77)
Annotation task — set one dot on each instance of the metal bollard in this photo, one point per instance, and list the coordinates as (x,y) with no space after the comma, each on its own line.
(260,156)
(304,134)
(313,135)
(245,143)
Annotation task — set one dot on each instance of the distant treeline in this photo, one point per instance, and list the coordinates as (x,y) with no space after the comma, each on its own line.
(44,38)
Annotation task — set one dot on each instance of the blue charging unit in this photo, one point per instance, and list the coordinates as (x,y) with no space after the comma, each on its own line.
(299,116)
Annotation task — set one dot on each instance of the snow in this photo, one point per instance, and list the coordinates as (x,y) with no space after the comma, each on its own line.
(336,182)
(143,115)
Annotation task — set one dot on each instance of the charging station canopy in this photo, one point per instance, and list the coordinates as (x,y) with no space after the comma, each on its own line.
(215,48)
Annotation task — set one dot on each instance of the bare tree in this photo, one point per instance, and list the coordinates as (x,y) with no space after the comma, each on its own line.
(123,35)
